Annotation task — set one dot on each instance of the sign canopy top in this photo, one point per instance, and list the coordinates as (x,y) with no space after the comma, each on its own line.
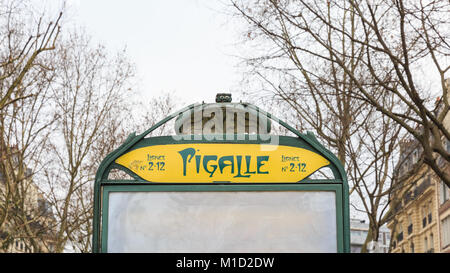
(222,142)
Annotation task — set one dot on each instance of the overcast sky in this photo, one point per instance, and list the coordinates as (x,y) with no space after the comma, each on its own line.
(184,47)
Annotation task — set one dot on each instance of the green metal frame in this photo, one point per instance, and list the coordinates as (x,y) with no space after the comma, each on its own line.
(308,141)
(336,188)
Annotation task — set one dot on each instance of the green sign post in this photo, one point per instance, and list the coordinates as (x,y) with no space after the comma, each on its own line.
(222,183)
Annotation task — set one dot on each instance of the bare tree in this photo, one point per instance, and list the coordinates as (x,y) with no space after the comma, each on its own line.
(61,114)
(392,39)
(25,75)
(21,46)
(323,96)
(139,115)
(97,109)
(371,156)
(89,92)
(157,108)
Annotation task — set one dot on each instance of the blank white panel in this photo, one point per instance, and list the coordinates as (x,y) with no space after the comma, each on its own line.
(236,221)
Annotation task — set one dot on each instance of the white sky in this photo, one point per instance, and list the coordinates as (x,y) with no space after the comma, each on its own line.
(179,46)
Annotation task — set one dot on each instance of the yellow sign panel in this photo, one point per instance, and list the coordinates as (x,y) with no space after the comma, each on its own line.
(211,162)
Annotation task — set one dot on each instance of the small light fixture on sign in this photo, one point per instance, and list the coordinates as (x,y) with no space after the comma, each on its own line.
(223,97)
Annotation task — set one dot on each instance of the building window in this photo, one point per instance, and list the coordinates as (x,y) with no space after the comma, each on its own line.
(412,247)
(446,232)
(400,232)
(410,224)
(443,192)
(425,244)
(429,213)
(424,217)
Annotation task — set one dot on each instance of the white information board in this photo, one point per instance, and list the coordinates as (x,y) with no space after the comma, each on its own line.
(231,221)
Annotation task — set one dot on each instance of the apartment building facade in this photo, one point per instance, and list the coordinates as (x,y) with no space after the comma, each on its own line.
(415,227)
(443,211)
(421,205)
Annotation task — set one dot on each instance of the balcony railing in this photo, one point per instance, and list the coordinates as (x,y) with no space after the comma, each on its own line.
(422,187)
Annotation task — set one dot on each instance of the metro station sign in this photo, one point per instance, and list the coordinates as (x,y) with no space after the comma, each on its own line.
(224,162)
(190,192)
